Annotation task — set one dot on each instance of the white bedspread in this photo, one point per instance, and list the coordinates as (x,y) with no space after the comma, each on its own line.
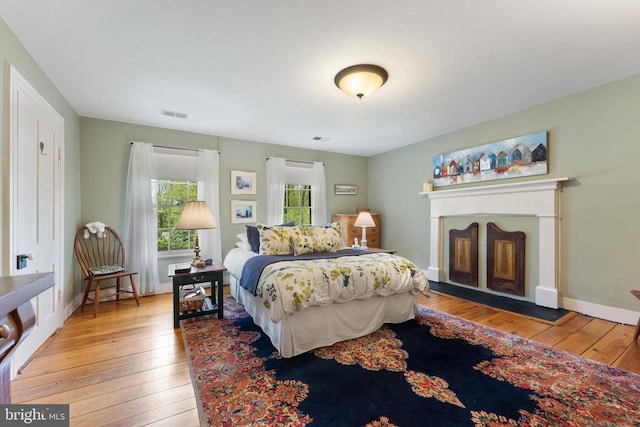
(323,325)
(287,287)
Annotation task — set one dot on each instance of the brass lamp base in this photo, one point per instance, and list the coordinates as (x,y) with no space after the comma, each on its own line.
(197,261)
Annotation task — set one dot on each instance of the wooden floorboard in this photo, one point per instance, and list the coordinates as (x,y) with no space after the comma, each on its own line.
(128,366)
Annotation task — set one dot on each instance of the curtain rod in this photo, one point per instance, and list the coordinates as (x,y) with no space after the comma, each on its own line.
(180,148)
(296,161)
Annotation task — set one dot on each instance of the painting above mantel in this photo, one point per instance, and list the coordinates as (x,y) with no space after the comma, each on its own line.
(515,157)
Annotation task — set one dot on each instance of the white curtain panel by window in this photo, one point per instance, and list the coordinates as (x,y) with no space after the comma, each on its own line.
(141,226)
(318,194)
(209,191)
(275,190)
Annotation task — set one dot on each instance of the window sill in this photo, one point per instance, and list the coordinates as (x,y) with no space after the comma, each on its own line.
(175,255)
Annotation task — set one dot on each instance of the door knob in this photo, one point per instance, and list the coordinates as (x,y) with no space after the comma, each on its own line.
(5,331)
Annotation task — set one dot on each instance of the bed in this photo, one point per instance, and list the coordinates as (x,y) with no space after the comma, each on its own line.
(311,291)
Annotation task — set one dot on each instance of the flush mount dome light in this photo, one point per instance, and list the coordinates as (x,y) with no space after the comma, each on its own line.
(361,80)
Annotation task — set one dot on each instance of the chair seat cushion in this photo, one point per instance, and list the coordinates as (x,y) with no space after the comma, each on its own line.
(105,269)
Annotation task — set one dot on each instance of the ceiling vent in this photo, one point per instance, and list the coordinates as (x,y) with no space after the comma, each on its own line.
(173,114)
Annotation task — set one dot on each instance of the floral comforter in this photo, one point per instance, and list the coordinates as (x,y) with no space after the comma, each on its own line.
(290,286)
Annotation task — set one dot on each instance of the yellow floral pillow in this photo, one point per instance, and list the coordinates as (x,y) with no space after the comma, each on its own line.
(304,245)
(275,240)
(319,238)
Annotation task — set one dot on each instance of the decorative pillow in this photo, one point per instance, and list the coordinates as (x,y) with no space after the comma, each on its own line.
(253,235)
(333,234)
(253,238)
(244,246)
(243,237)
(325,238)
(275,240)
(305,244)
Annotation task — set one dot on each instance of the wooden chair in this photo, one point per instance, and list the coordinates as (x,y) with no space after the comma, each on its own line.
(94,251)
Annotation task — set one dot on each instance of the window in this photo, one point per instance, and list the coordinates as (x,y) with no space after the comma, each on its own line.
(297,203)
(171,197)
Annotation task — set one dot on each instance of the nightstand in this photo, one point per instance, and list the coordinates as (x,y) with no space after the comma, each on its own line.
(213,303)
(380,250)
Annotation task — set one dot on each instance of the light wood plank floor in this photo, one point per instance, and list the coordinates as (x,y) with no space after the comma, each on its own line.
(128,367)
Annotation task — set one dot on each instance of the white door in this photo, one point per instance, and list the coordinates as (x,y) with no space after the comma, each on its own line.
(35,203)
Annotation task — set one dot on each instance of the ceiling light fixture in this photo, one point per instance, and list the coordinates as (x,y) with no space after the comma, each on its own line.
(361,80)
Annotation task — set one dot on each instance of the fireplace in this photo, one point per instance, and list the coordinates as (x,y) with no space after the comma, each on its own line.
(538,199)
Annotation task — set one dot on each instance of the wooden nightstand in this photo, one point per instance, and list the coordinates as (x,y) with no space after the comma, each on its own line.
(213,302)
(380,250)
(350,231)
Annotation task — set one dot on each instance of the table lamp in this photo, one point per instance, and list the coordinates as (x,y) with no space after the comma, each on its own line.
(196,216)
(364,220)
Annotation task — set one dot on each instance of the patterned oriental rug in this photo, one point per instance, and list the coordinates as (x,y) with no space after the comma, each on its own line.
(436,370)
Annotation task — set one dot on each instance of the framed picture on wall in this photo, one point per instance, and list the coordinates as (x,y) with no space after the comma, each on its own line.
(345,189)
(243,182)
(243,211)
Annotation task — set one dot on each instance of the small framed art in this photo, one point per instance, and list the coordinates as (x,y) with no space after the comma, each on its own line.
(345,189)
(243,211)
(243,182)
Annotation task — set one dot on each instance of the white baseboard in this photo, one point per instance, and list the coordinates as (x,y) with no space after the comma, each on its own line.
(613,314)
(165,288)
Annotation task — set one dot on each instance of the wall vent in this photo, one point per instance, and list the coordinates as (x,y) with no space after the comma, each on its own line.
(173,114)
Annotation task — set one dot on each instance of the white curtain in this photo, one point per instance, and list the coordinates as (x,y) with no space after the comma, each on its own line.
(318,194)
(141,227)
(275,190)
(209,191)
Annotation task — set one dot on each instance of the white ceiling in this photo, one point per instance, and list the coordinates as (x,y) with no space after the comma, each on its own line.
(263,70)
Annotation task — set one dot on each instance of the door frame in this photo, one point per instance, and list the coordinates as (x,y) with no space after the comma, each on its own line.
(14,80)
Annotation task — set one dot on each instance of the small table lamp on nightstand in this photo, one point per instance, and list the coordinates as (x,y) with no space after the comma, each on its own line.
(364,220)
(196,216)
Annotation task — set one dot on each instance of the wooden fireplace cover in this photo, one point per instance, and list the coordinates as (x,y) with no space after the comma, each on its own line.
(505,260)
(463,255)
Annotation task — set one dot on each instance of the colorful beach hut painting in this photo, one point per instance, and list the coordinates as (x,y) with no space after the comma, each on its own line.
(521,156)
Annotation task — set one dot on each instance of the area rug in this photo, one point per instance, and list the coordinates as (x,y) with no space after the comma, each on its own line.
(436,370)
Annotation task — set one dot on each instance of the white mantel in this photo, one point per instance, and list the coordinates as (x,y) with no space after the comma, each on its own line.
(538,198)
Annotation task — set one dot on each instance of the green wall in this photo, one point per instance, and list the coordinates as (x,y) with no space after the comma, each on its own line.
(594,137)
(104,158)
(12,52)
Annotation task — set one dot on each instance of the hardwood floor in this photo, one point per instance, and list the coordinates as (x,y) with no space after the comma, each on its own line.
(128,366)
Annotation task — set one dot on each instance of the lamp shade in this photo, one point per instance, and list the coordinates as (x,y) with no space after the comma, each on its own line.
(361,80)
(196,216)
(364,220)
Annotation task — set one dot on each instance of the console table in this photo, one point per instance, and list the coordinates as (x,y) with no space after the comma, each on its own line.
(17,319)
(207,274)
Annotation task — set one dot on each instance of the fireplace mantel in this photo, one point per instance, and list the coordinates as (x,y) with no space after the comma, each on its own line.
(537,198)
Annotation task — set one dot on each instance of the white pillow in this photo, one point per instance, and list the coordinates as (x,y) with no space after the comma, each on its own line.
(244,246)
(243,237)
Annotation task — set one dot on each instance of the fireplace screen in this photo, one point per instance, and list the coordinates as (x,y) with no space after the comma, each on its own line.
(505,260)
(463,255)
